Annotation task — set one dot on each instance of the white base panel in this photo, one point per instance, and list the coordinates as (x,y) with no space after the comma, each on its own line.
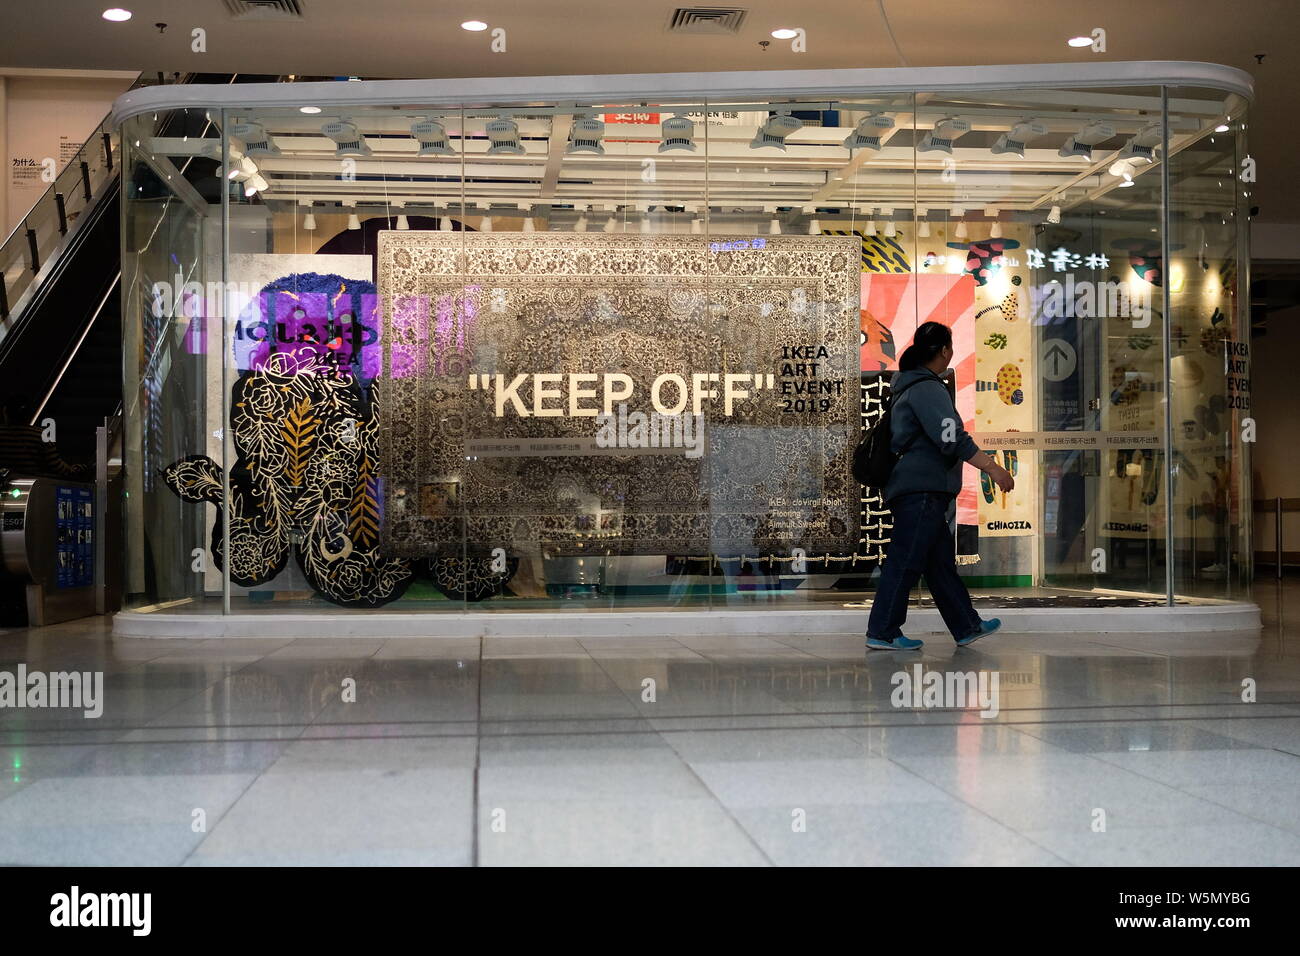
(1201,619)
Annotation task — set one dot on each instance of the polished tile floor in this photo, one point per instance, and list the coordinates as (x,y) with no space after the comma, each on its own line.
(706,750)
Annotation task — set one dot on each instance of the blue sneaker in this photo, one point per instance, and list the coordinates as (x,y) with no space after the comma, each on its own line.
(986,628)
(899,643)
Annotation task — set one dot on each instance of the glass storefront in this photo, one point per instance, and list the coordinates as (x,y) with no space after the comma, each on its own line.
(550,351)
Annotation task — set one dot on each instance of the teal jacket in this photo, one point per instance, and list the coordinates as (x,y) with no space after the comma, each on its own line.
(925,423)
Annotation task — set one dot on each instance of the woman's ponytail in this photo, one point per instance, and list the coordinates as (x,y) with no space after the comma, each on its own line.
(929,341)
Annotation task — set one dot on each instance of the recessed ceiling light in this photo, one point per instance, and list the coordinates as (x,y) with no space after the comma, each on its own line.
(785,33)
(309,109)
(1080,41)
(474,25)
(1222,128)
(117,14)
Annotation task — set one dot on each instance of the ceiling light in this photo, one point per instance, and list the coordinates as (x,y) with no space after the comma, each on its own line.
(311,110)
(478,26)
(784,33)
(995,230)
(485,224)
(503,133)
(1082,142)
(774,229)
(1126,183)
(348,138)
(353,222)
(256,140)
(1141,147)
(944,134)
(814,227)
(891,229)
(961,232)
(402,222)
(116,14)
(1222,128)
(528,224)
(1014,139)
(309,221)
(870,228)
(677,132)
(775,130)
(870,128)
(586,135)
(432,137)
(581,224)
(1054,215)
(611,223)
(697,227)
(1079,41)
(444,225)
(923,229)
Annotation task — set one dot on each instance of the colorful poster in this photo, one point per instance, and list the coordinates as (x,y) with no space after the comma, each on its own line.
(74,524)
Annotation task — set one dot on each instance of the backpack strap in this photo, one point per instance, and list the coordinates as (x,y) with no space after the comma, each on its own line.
(894,396)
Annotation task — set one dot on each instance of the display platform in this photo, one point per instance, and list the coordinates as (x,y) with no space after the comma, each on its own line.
(823,620)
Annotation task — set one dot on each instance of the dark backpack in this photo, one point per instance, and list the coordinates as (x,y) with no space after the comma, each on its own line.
(874,458)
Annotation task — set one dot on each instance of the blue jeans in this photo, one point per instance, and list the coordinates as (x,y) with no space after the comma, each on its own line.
(921,543)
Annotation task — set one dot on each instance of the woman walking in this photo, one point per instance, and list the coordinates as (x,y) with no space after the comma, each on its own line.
(927,433)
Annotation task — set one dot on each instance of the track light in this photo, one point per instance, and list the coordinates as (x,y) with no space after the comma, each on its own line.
(1082,142)
(432,137)
(444,224)
(1014,139)
(1054,216)
(485,224)
(255,138)
(581,224)
(923,229)
(870,228)
(503,133)
(774,228)
(353,222)
(961,231)
(944,134)
(697,227)
(775,130)
(814,227)
(677,132)
(348,138)
(1141,148)
(995,230)
(867,135)
(309,221)
(891,229)
(586,136)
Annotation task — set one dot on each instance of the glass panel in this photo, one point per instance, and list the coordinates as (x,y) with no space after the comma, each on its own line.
(170,254)
(1033,241)
(1210,371)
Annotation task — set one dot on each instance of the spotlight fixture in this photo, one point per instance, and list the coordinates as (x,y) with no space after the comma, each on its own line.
(1141,148)
(348,138)
(961,232)
(870,228)
(944,134)
(1054,216)
(478,26)
(1082,142)
(402,221)
(1222,128)
(923,229)
(485,224)
(867,135)
(697,227)
(444,224)
(773,132)
(353,222)
(784,33)
(527,209)
(242,170)
(677,132)
(586,136)
(255,138)
(1079,42)
(116,15)
(1127,182)
(995,230)
(309,110)
(814,227)
(309,220)
(611,223)
(432,137)
(891,228)
(581,224)
(1014,139)
(503,133)
(774,228)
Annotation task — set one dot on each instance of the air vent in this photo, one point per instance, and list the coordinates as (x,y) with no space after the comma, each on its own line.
(707,21)
(264,9)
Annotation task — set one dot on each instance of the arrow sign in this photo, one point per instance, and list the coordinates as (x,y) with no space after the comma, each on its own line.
(1059,360)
